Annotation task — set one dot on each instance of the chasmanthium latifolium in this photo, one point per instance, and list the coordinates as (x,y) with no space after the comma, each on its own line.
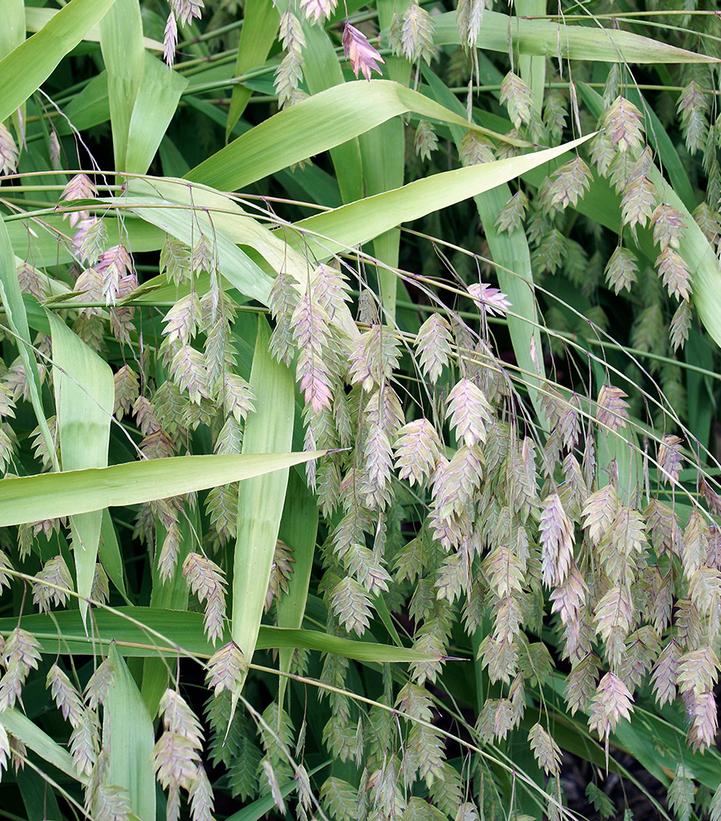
(503,480)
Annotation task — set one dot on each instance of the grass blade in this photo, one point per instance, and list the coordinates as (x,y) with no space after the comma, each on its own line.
(384,155)
(136,631)
(236,266)
(129,738)
(12,33)
(361,221)
(260,25)
(37,18)
(84,397)
(317,124)
(260,501)
(532,68)
(321,71)
(550,39)
(121,41)
(39,742)
(154,108)
(27,67)
(53,495)
(110,555)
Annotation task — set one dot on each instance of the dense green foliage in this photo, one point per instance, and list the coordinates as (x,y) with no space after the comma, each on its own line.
(357,409)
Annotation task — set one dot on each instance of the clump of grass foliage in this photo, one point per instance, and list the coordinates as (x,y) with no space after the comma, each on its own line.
(357,409)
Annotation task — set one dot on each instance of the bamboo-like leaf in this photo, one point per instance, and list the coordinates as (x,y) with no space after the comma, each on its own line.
(359,222)
(53,495)
(128,738)
(532,68)
(12,34)
(90,108)
(226,222)
(314,125)
(550,39)
(260,26)
(321,71)
(38,18)
(84,396)
(24,70)
(121,41)
(136,632)
(37,740)
(234,263)
(384,153)
(12,31)
(260,500)
(155,105)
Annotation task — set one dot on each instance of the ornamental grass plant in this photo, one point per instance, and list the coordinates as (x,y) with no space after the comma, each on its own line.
(359,370)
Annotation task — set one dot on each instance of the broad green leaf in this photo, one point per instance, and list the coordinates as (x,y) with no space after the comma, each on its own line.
(12,31)
(53,495)
(128,737)
(147,632)
(317,124)
(17,320)
(84,398)
(121,41)
(154,108)
(260,500)
(36,18)
(186,223)
(298,529)
(227,225)
(321,71)
(12,34)
(260,26)
(89,108)
(27,67)
(37,740)
(354,224)
(547,38)
(532,68)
